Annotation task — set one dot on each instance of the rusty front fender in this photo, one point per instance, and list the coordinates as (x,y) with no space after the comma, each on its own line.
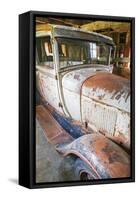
(104,157)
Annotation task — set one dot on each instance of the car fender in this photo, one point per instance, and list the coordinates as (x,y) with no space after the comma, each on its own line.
(103,156)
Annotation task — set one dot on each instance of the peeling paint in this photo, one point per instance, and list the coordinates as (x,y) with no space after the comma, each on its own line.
(92,96)
(104,157)
(71,85)
(106,104)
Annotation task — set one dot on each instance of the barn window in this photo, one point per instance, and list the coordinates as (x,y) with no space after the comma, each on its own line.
(122,39)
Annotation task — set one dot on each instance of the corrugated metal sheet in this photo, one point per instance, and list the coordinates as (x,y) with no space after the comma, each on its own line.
(100,116)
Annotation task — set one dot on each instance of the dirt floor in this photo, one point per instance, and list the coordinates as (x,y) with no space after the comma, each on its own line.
(51,166)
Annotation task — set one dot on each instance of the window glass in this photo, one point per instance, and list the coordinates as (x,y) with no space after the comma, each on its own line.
(44,51)
(78,52)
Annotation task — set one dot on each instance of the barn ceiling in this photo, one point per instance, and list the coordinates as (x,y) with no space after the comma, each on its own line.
(92,25)
(62,21)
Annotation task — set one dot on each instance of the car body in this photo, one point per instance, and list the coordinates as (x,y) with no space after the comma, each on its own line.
(74,76)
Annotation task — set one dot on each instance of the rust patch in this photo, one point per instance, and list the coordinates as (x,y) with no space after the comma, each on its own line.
(113,157)
(54,133)
(107,81)
(101,154)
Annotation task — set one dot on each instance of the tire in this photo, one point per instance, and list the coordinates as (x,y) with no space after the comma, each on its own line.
(83,171)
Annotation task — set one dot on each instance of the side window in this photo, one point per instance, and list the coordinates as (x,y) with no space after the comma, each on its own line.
(44,54)
(93,49)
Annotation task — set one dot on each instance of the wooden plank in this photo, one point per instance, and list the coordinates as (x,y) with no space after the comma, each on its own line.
(54,133)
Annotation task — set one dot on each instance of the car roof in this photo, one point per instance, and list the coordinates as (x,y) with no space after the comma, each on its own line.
(70,32)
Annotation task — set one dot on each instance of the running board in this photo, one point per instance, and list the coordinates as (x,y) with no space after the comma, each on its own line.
(54,133)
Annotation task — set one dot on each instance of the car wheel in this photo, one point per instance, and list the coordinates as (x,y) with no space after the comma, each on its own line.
(83,171)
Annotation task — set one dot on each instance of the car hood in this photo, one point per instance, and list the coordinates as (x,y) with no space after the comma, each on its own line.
(104,87)
(108,89)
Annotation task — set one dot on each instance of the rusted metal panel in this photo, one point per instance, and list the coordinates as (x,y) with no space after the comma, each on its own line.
(105,158)
(109,89)
(105,104)
(54,133)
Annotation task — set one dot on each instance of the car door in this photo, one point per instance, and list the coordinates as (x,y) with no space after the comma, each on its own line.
(46,82)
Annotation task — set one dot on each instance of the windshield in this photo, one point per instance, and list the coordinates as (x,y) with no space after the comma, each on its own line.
(77,52)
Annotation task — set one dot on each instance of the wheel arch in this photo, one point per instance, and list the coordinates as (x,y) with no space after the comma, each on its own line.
(103,156)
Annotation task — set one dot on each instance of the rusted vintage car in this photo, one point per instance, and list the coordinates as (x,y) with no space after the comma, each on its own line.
(84,108)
